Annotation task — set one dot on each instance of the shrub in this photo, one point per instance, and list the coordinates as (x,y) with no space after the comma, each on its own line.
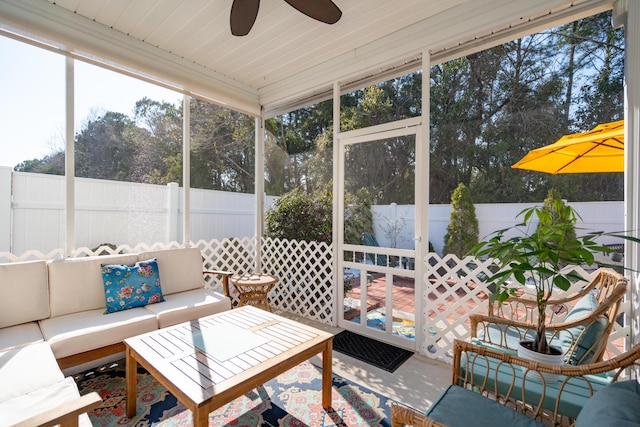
(358,218)
(462,231)
(300,216)
(555,207)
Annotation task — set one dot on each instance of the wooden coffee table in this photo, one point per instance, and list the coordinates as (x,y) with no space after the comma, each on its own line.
(208,362)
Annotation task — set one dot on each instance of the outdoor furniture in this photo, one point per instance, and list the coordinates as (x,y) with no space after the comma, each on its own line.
(253,289)
(211,361)
(35,392)
(580,324)
(225,275)
(505,398)
(369,239)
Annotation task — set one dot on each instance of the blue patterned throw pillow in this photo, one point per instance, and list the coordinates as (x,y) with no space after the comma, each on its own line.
(128,287)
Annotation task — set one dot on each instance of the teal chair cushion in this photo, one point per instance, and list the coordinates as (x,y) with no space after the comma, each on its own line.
(575,393)
(583,352)
(502,338)
(459,407)
(615,405)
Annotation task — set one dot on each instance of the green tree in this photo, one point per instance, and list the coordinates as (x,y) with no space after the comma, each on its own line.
(158,142)
(52,164)
(462,231)
(554,209)
(301,216)
(358,216)
(105,148)
(222,148)
(487,111)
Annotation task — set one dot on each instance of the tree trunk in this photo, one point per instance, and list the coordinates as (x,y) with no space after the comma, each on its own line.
(540,343)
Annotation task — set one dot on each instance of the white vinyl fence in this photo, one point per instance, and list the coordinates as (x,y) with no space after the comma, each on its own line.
(32,213)
(139,217)
(397,222)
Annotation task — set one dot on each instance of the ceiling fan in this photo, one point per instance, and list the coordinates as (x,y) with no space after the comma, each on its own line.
(244,13)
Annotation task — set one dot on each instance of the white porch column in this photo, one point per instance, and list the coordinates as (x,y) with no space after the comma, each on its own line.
(69,161)
(337,231)
(186,173)
(422,202)
(259,189)
(5,208)
(631,11)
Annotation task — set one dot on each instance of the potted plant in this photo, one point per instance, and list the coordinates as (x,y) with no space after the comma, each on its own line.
(536,256)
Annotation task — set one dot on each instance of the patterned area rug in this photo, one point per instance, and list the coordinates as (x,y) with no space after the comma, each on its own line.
(291,399)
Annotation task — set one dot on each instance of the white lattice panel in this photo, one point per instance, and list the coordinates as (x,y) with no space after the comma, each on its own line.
(455,289)
(305,273)
(452,291)
(235,255)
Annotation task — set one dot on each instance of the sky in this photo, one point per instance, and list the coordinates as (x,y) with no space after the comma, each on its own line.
(32,95)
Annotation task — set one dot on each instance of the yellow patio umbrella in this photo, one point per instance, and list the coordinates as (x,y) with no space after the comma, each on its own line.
(599,150)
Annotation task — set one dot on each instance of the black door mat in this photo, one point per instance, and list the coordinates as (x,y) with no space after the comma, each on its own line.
(382,355)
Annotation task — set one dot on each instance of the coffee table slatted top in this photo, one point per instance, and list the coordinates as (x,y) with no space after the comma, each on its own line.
(205,357)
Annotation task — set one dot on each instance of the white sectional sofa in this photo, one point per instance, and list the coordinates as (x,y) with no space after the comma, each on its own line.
(52,317)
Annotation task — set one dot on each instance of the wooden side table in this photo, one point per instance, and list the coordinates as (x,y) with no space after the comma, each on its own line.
(254,289)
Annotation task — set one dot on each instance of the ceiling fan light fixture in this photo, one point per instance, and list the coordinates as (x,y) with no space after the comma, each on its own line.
(243,16)
(245,12)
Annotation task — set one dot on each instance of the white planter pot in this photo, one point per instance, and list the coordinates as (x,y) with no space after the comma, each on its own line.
(549,359)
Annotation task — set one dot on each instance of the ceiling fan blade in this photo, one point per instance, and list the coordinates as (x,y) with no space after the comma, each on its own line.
(322,10)
(243,16)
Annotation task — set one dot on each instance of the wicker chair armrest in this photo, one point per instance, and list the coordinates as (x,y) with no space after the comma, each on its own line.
(65,415)
(225,279)
(402,416)
(603,308)
(477,320)
(570,333)
(604,282)
(615,365)
(475,368)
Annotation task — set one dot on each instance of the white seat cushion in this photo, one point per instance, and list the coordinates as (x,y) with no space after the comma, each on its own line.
(38,401)
(27,369)
(180,269)
(188,305)
(19,335)
(88,330)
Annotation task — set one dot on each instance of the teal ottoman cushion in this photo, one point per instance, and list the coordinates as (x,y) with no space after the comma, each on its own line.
(615,405)
(459,407)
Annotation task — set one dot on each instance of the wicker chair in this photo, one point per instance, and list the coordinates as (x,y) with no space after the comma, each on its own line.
(500,378)
(582,334)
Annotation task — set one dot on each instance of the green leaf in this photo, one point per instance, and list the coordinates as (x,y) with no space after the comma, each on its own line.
(562,282)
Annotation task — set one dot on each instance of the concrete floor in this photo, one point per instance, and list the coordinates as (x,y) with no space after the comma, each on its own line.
(416,383)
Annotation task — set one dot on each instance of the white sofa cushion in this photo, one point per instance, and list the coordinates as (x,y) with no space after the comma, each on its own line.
(19,335)
(27,369)
(24,294)
(75,284)
(188,305)
(88,330)
(180,269)
(37,401)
